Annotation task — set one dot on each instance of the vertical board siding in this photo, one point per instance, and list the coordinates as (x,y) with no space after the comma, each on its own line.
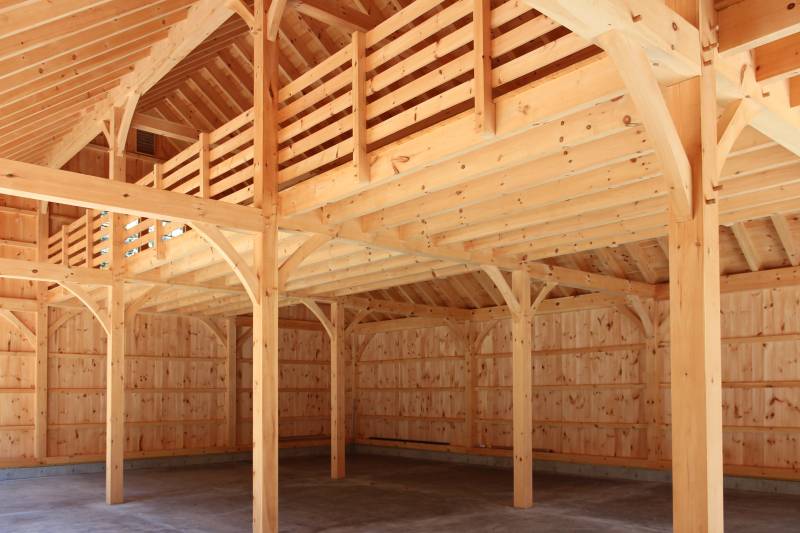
(175,388)
(589,376)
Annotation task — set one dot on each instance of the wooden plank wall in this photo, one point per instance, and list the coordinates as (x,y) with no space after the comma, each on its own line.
(592,387)
(175,397)
(304,383)
(175,388)
(17,359)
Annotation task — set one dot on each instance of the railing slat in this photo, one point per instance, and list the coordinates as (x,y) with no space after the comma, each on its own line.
(359,114)
(484,102)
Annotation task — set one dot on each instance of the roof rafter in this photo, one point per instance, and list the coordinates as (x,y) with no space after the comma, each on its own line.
(203,18)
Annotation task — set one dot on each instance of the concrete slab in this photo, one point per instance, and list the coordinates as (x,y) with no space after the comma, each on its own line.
(387,494)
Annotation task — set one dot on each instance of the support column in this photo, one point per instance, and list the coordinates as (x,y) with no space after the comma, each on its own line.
(652,379)
(115,394)
(265,385)
(115,355)
(338,399)
(470,377)
(522,391)
(41,380)
(231,382)
(265,310)
(695,306)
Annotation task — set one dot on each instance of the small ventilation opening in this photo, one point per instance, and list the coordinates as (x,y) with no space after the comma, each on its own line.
(145,142)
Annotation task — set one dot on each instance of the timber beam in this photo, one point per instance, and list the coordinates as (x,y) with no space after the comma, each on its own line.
(203,18)
(404,308)
(51,185)
(40,271)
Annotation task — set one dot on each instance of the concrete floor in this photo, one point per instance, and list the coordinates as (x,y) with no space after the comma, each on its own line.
(386,494)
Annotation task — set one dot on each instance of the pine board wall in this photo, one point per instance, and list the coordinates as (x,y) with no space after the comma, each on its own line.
(601,390)
(175,389)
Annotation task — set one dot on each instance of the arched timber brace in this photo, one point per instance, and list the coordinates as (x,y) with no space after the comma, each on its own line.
(91,303)
(734,120)
(14,320)
(220,335)
(291,263)
(320,314)
(217,239)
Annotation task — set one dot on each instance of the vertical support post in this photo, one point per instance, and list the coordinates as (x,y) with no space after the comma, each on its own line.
(652,380)
(115,356)
(265,384)
(231,382)
(115,394)
(338,411)
(205,165)
(41,380)
(158,238)
(265,311)
(695,303)
(116,145)
(357,351)
(484,102)
(64,246)
(522,391)
(158,176)
(359,86)
(469,389)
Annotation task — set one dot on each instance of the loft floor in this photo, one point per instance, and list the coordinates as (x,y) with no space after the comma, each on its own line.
(386,494)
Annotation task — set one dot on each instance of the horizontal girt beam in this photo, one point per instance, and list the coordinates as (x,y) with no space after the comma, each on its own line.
(165,128)
(40,271)
(51,185)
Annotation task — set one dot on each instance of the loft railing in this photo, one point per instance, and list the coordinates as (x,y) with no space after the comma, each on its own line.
(412,71)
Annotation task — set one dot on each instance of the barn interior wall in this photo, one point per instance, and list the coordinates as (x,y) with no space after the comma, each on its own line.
(601,394)
(175,389)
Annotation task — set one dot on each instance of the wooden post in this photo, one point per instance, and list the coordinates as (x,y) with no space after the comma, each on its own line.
(158,238)
(265,386)
(205,165)
(338,399)
(265,311)
(64,245)
(652,380)
(522,391)
(484,102)
(695,307)
(469,389)
(231,382)
(360,158)
(41,381)
(115,356)
(115,394)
